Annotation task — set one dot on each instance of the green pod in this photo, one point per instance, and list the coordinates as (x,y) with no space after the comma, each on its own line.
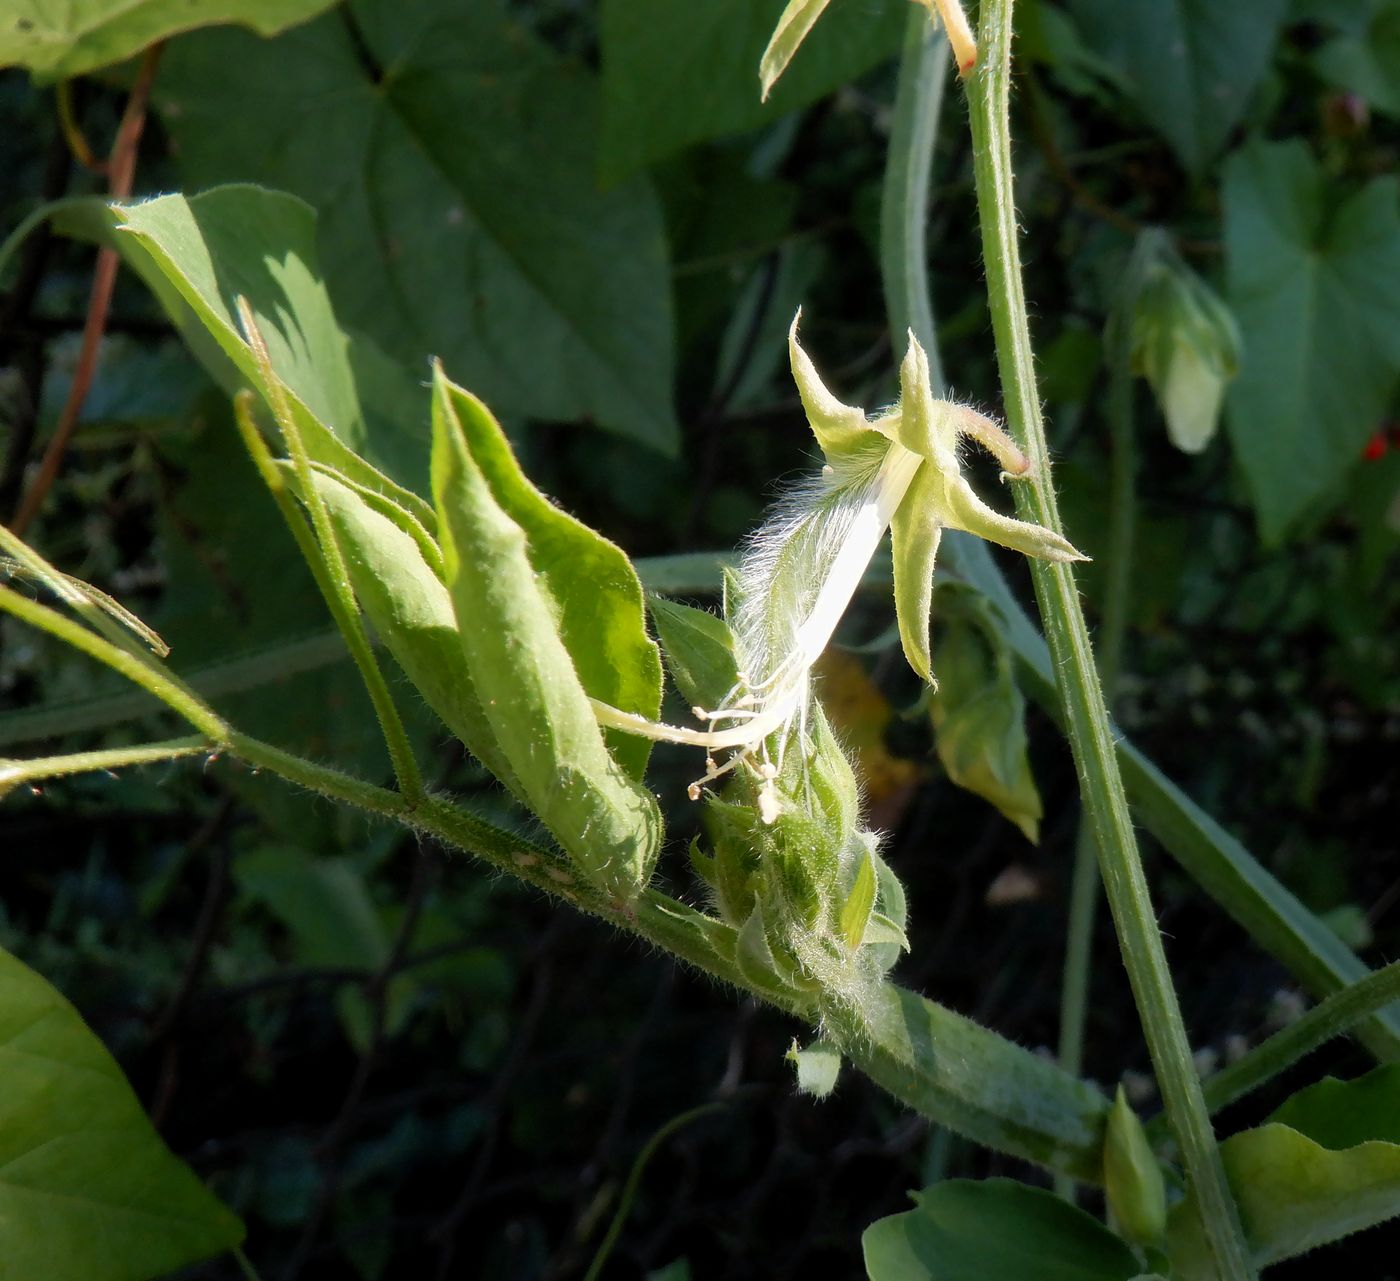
(511,626)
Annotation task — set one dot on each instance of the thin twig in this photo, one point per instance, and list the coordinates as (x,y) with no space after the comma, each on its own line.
(121,168)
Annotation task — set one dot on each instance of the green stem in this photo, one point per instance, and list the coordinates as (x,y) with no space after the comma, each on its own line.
(1090,734)
(634,1178)
(904,206)
(322,554)
(1084,884)
(152,678)
(252,670)
(13,773)
(952,1070)
(947,1067)
(1336,1015)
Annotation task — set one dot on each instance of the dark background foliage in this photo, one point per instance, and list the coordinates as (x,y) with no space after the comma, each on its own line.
(393,1065)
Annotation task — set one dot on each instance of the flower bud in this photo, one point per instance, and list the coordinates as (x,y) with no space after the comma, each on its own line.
(1184,340)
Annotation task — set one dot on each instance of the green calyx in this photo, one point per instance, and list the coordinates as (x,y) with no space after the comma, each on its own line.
(922,434)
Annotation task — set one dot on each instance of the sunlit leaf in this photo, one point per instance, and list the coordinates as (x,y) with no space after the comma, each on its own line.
(529,687)
(88,1191)
(58,41)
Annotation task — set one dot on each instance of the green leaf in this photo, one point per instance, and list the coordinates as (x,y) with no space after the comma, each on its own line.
(326,906)
(588,583)
(1191,65)
(817,1067)
(1314,281)
(535,704)
(979,718)
(59,41)
(994,1230)
(88,1191)
(198,254)
(699,649)
(675,72)
(407,602)
(860,902)
(451,158)
(1367,61)
(796,21)
(1343,1114)
(1293,1196)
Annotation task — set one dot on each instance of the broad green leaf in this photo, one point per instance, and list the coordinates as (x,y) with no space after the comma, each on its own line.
(1191,65)
(451,159)
(1314,281)
(326,906)
(537,707)
(56,41)
(1367,61)
(699,650)
(675,72)
(796,21)
(198,254)
(588,583)
(979,718)
(1293,1196)
(88,1191)
(1342,1114)
(994,1230)
(817,1067)
(405,599)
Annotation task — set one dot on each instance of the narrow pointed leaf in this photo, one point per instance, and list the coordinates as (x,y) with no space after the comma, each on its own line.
(797,20)
(915,534)
(860,902)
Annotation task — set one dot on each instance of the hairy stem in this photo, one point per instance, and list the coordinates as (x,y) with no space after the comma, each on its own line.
(144,672)
(1336,1015)
(1084,884)
(1086,715)
(322,555)
(36,769)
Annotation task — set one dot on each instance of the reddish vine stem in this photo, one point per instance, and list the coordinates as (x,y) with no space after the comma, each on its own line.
(121,169)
